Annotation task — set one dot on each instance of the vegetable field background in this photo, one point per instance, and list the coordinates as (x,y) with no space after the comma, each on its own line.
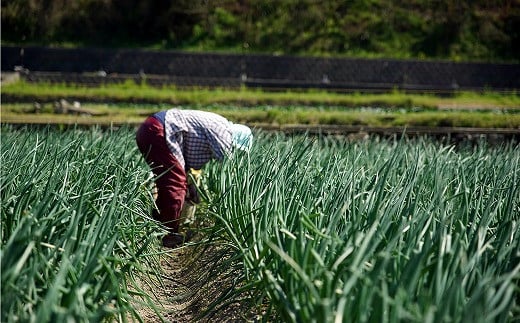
(304,229)
(383,183)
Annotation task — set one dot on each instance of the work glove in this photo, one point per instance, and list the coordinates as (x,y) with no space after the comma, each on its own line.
(192,195)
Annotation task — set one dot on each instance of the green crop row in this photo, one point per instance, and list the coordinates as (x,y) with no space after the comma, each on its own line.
(323,230)
(308,229)
(75,238)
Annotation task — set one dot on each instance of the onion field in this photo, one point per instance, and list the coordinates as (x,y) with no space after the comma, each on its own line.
(305,228)
(74,231)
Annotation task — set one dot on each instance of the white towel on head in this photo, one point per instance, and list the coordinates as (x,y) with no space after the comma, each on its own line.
(242,136)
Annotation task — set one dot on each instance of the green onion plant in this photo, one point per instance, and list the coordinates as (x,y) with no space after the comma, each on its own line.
(76,240)
(382,230)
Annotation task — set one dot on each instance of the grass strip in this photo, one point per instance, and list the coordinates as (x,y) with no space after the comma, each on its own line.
(106,114)
(131,92)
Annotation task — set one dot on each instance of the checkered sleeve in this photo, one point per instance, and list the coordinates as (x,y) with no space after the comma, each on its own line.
(195,137)
(174,135)
(174,142)
(220,140)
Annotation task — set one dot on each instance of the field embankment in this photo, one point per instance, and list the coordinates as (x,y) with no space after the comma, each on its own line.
(129,103)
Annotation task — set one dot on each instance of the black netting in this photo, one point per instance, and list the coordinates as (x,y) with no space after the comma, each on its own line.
(88,65)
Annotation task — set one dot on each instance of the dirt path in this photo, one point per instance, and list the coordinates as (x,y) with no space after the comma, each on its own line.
(184,295)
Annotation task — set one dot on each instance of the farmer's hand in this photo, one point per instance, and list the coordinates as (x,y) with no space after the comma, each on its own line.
(192,195)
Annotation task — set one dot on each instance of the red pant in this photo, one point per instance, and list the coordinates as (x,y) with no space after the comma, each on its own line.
(170,176)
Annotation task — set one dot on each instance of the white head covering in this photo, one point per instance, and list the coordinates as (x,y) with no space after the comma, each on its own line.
(242,136)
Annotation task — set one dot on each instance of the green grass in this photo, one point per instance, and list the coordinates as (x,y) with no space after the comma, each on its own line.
(129,103)
(260,116)
(132,92)
(374,117)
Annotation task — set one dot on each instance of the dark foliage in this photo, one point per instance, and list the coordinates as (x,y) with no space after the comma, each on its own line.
(479,30)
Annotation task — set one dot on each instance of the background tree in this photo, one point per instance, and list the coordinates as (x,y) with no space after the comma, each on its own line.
(479,30)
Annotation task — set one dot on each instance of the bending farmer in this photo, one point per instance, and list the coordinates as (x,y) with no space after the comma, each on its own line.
(174,141)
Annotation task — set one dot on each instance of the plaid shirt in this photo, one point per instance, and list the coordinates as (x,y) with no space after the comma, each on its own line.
(194,137)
